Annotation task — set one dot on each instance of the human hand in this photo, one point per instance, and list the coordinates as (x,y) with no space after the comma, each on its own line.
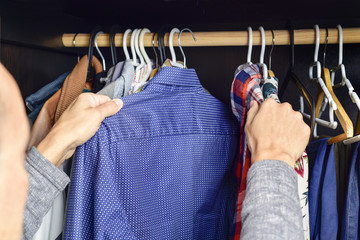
(275,131)
(77,124)
(14,135)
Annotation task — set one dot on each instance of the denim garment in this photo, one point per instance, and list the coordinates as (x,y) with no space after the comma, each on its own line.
(322,191)
(161,168)
(350,221)
(38,98)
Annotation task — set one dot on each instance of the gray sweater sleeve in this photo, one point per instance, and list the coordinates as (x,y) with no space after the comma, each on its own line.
(271,209)
(46,182)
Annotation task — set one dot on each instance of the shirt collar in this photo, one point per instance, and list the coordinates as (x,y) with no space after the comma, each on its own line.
(176,77)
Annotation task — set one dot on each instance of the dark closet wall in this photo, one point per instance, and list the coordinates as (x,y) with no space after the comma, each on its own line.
(31,32)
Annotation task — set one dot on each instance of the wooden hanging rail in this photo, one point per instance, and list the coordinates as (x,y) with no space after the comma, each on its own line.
(235,38)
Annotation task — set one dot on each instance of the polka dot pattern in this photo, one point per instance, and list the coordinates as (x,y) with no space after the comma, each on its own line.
(161,168)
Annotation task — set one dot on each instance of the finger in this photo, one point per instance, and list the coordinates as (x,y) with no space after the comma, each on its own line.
(101,99)
(254,108)
(109,108)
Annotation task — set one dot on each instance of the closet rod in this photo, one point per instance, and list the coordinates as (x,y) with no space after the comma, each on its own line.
(235,38)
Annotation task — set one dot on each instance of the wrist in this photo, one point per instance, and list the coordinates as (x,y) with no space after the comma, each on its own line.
(272,155)
(56,146)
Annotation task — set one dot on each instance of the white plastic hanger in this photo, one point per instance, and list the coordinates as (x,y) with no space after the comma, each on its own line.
(249,46)
(132,46)
(137,49)
(262,53)
(171,48)
(182,51)
(332,106)
(345,81)
(98,50)
(126,52)
(143,52)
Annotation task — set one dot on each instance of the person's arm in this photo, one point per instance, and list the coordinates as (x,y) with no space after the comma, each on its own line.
(76,125)
(276,137)
(14,134)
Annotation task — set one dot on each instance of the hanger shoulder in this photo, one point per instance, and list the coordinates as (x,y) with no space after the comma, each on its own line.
(319,99)
(341,114)
(357,128)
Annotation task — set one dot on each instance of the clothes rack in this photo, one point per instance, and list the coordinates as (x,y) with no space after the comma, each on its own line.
(223,38)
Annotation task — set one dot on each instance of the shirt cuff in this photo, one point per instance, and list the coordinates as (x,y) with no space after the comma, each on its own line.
(48,170)
(272,170)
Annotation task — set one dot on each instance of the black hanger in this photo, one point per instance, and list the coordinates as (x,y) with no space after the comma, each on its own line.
(161,44)
(114,29)
(291,76)
(90,70)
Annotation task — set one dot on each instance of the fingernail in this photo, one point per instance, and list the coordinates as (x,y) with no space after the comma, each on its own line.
(118,102)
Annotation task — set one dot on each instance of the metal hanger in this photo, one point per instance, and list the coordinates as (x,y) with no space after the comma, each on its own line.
(161,44)
(171,48)
(156,56)
(74,44)
(179,37)
(262,54)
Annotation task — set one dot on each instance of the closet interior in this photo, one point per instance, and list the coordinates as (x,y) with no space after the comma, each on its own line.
(40,40)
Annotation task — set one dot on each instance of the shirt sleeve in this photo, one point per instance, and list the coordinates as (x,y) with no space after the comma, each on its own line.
(46,182)
(271,209)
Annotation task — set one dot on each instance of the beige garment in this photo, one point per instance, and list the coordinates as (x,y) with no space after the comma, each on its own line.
(56,104)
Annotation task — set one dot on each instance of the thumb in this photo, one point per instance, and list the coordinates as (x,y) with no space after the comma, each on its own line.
(254,108)
(109,108)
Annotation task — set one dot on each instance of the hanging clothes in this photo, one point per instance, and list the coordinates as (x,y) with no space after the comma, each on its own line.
(322,191)
(120,86)
(270,90)
(141,78)
(343,156)
(350,222)
(36,101)
(159,169)
(246,88)
(74,84)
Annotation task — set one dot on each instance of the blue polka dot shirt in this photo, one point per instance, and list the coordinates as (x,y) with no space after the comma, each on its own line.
(161,168)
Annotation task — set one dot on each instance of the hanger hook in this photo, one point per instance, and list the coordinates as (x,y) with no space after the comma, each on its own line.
(340,44)
(272,47)
(137,49)
(182,52)
(74,44)
(326,43)
(132,47)
(171,46)
(124,45)
(263,45)
(97,48)
(73,41)
(262,53)
(317,42)
(153,46)
(250,45)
